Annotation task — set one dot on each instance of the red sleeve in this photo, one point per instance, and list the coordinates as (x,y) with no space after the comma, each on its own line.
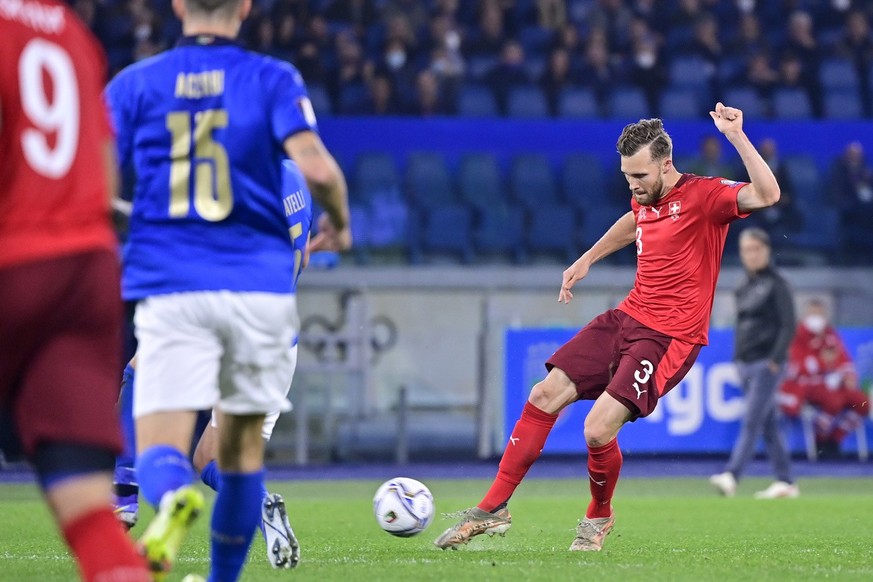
(721,201)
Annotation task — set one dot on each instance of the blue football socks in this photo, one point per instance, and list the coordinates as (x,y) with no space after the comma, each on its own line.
(125,475)
(235,516)
(162,468)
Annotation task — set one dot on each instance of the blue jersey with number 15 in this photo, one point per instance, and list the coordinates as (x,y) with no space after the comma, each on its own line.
(204,126)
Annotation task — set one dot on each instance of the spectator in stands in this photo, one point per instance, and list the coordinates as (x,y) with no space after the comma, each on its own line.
(749,40)
(821,374)
(567,37)
(380,99)
(558,76)
(784,216)
(286,41)
(551,14)
(614,18)
(412,12)
(598,72)
(760,76)
(802,45)
(706,45)
(685,14)
(857,46)
(349,71)
(764,328)
(852,192)
(429,100)
(398,65)
(647,69)
(359,14)
(310,64)
(490,37)
(709,161)
(508,73)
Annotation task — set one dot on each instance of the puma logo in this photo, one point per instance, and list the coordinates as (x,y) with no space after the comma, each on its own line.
(514,440)
(595,481)
(639,391)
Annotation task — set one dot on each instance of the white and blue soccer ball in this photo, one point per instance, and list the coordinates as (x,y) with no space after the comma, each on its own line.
(403,507)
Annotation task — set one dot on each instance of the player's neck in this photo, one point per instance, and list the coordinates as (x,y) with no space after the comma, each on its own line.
(670,180)
(213,27)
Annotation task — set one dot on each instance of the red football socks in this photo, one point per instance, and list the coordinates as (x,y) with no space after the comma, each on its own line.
(103,550)
(604,466)
(525,445)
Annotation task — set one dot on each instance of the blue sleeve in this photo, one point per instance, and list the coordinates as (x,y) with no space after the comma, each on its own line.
(291,109)
(118,99)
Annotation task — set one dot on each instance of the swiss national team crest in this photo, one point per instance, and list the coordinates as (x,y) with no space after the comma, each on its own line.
(674,209)
(641,215)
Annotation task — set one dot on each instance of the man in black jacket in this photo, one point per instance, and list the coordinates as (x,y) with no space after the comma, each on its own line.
(765,326)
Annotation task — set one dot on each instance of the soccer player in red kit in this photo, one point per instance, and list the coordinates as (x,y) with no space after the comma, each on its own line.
(627,358)
(60,304)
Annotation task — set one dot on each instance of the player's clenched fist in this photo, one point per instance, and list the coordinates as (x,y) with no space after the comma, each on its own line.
(727,119)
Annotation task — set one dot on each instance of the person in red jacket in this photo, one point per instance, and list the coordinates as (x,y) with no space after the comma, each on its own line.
(821,373)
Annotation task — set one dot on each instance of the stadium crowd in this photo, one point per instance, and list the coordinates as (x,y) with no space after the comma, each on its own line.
(781,58)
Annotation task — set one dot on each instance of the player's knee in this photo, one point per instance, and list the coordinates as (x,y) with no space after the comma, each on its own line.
(553,393)
(598,433)
(55,462)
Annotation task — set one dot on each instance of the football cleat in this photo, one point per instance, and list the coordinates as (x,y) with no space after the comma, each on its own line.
(283,550)
(475,522)
(725,483)
(164,536)
(126,509)
(779,490)
(591,532)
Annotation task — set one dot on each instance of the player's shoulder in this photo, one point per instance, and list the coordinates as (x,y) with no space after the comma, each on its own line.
(279,68)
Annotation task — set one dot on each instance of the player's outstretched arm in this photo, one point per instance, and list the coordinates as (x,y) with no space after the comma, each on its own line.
(764,189)
(619,235)
(328,186)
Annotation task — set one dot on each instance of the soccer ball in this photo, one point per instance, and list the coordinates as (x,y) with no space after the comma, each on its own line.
(403,507)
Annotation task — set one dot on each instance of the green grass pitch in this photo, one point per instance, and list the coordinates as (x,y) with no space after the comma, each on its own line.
(666,529)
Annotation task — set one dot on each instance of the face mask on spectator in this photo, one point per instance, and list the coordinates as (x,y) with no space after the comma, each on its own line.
(815,323)
(645,59)
(395,59)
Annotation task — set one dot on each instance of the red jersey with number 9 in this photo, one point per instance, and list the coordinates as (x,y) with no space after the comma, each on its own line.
(53,132)
(680,241)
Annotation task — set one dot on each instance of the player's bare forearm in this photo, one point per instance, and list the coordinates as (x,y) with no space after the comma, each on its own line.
(323,175)
(619,235)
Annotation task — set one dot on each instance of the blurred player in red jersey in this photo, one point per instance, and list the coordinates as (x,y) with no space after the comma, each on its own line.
(60,304)
(627,358)
(821,373)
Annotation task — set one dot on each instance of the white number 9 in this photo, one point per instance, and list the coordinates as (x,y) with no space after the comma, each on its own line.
(60,116)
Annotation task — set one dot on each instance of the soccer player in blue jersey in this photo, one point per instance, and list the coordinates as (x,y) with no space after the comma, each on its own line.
(210,262)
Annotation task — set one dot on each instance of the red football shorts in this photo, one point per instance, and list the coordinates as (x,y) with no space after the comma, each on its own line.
(60,359)
(618,354)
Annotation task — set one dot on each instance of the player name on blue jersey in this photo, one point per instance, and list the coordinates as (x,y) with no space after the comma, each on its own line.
(199,85)
(204,126)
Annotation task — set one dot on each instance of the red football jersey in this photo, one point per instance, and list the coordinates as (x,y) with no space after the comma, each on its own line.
(53,130)
(679,243)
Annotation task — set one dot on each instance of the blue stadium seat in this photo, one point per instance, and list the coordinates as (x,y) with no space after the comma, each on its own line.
(501,230)
(791,104)
(582,180)
(359,217)
(353,97)
(628,103)
(806,180)
(554,229)
(320,101)
(842,105)
(527,101)
(531,180)
(689,73)
(448,230)
(598,219)
(478,66)
(479,182)
(747,100)
(427,180)
(535,39)
(578,103)
(836,73)
(822,234)
(375,174)
(477,101)
(680,104)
